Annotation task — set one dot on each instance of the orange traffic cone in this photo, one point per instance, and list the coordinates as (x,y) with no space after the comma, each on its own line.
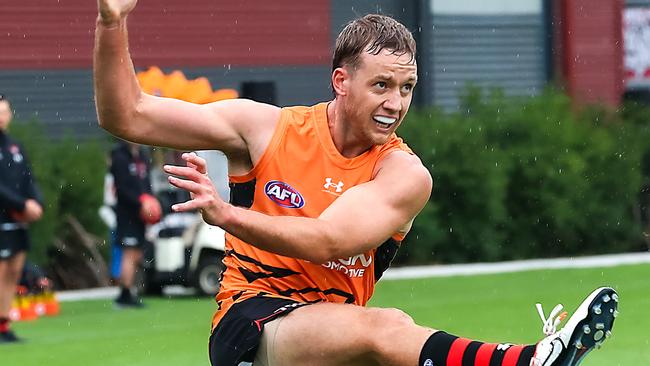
(39,304)
(52,306)
(27,311)
(25,305)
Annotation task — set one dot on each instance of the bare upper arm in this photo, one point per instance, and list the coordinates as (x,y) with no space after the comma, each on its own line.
(238,127)
(368,214)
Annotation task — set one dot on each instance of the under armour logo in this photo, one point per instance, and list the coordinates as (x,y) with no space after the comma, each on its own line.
(428,362)
(338,186)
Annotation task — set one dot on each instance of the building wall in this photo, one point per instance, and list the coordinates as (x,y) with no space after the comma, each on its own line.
(637,2)
(343,11)
(49,34)
(591,54)
(500,43)
(48,71)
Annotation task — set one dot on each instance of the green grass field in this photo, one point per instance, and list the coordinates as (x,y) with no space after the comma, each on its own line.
(497,308)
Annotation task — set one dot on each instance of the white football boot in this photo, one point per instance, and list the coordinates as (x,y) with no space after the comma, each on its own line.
(587,329)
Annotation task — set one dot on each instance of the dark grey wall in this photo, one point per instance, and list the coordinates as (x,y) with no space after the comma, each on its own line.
(637,2)
(295,85)
(63,100)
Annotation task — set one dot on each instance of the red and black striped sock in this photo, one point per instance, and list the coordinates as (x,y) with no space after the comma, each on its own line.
(4,325)
(442,349)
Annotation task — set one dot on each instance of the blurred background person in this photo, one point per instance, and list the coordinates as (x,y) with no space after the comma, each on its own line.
(135,208)
(34,279)
(20,205)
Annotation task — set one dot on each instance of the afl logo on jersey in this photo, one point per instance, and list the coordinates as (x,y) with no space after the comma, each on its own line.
(283,194)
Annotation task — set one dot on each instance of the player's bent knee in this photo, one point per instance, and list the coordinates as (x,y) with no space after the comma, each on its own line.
(391,317)
(386,324)
(383,327)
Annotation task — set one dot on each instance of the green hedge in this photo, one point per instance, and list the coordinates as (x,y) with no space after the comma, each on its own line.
(70,175)
(525,177)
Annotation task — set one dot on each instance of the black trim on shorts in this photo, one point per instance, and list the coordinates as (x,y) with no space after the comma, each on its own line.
(125,235)
(237,336)
(13,242)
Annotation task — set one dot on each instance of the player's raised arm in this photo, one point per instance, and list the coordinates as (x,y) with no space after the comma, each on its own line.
(127,112)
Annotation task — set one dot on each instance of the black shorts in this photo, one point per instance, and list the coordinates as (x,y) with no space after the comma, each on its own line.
(237,336)
(131,237)
(13,242)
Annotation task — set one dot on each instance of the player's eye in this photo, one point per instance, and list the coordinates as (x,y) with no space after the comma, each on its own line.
(406,88)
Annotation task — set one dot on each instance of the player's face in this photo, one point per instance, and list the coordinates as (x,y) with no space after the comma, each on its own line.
(5,115)
(380,94)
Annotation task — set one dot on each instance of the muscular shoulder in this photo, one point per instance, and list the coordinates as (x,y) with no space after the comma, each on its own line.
(247,117)
(253,124)
(403,172)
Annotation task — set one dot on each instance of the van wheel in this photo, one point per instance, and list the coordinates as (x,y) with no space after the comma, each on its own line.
(208,275)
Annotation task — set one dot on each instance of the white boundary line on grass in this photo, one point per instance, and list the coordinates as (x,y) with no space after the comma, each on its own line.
(102,293)
(440,271)
(516,266)
(88,294)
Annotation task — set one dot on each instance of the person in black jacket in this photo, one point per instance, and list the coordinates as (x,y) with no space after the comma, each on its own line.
(20,205)
(136,207)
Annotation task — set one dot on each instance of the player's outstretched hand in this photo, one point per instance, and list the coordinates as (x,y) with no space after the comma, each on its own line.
(203,196)
(111,11)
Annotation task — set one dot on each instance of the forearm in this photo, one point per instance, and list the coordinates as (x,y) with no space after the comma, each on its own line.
(117,91)
(299,237)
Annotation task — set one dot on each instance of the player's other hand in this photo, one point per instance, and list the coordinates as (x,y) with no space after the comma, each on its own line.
(194,178)
(32,212)
(112,11)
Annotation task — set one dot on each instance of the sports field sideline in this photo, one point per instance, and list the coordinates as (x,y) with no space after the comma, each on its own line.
(497,307)
(441,271)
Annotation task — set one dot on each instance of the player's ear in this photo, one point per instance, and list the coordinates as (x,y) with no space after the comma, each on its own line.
(341,80)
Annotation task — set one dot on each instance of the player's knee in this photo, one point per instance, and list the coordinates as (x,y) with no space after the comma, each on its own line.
(394,317)
(387,324)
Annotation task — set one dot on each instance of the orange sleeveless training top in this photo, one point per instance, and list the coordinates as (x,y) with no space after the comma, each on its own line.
(300,174)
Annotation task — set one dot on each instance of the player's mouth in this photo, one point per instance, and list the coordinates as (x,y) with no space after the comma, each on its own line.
(384,122)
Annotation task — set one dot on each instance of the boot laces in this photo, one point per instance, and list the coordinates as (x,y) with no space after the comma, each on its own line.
(553,320)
